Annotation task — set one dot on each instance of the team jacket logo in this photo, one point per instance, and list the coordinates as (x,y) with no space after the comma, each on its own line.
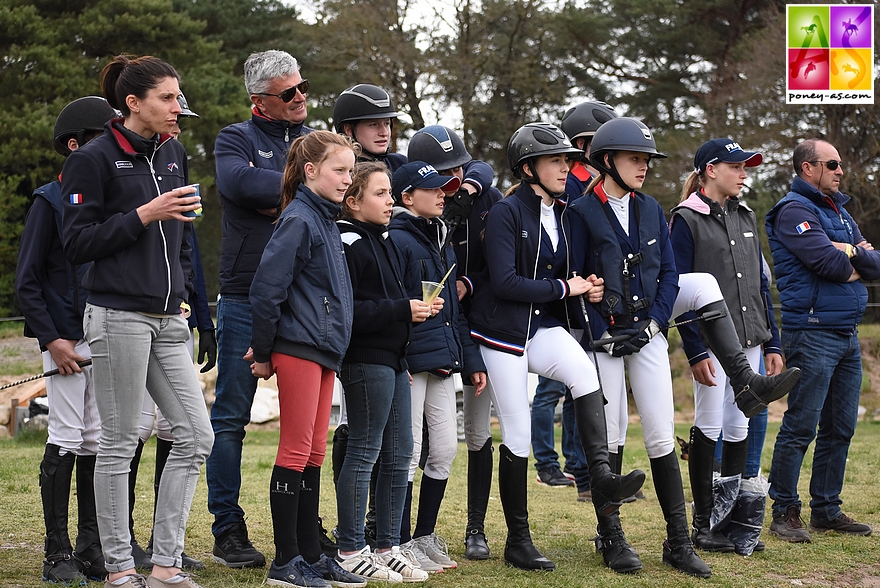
(803,228)
(266,154)
(172,166)
(76,198)
(524,234)
(124,165)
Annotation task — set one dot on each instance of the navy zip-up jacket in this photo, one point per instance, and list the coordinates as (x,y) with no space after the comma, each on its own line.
(136,268)
(49,287)
(512,294)
(600,247)
(811,273)
(439,345)
(301,295)
(467,238)
(250,158)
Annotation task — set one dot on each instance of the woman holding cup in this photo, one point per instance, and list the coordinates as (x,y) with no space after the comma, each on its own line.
(438,348)
(125,211)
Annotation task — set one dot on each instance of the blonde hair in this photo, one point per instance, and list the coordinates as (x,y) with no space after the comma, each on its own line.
(363,171)
(693,183)
(314,148)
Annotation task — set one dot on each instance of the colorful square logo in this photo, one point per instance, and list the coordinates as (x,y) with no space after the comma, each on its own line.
(830,54)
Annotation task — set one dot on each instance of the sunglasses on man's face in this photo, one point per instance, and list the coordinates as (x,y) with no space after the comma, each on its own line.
(831,164)
(290,93)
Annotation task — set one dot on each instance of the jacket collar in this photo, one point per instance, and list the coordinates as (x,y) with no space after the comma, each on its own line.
(356,226)
(581,172)
(599,191)
(129,145)
(526,194)
(327,209)
(275,128)
(808,190)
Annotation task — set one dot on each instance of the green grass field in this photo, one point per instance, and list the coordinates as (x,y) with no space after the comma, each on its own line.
(561,527)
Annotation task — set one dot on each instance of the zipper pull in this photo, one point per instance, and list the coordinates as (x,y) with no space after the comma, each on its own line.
(286,135)
(327,304)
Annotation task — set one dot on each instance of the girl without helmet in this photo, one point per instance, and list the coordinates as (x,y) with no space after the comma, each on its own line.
(519,317)
(464,213)
(126,204)
(623,237)
(439,347)
(713,231)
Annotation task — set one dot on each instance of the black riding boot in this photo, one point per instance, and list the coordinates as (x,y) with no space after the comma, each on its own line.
(519,551)
(340,448)
(88,551)
(609,489)
(678,551)
(753,392)
(734,455)
(479,483)
(142,560)
(700,460)
(55,474)
(611,543)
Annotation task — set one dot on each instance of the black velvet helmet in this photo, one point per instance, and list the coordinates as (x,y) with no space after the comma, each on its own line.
(533,140)
(362,102)
(440,146)
(584,119)
(79,117)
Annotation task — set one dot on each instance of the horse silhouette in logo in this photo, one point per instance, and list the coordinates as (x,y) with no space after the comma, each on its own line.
(850,29)
(810,29)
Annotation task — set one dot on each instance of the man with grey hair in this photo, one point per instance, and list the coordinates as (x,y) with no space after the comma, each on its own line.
(820,259)
(250,159)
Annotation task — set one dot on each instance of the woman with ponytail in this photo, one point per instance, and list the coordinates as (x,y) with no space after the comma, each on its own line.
(128,209)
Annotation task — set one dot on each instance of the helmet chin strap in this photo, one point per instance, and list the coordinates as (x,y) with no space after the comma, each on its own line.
(611,170)
(529,179)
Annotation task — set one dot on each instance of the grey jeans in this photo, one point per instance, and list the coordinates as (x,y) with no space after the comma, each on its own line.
(132,353)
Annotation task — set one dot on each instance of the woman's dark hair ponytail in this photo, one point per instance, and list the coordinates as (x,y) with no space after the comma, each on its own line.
(126,75)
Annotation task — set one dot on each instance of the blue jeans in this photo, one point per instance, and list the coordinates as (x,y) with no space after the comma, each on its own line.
(131,353)
(547,395)
(231,411)
(827,397)
(379,407)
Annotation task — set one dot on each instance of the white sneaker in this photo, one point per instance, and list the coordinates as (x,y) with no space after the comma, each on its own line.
(401,564)
(370,566)
(435,548)
(415,552)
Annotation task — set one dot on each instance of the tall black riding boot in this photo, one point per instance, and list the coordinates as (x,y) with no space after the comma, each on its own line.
(163,450)
(611,543)
(753,392)
(284,496)
(734,455)
(700,460)
(479,483)
(340,448)
(142,560)
(519,551)
(678,551)
(55,474)
(88,551)
(609,489)
(308,535)
(616,460)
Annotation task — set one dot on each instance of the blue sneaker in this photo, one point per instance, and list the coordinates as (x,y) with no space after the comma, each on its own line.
(296,573)
(337,576)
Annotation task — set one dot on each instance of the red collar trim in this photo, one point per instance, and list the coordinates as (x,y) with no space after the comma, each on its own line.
(581,172)
(125,144)
(599,191)
(831,203)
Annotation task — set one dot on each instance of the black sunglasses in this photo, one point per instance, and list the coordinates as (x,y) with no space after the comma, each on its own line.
(290,93)
(831,164)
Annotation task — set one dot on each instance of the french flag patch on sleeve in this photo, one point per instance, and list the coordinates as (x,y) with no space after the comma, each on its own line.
(76,198)
(801,228)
